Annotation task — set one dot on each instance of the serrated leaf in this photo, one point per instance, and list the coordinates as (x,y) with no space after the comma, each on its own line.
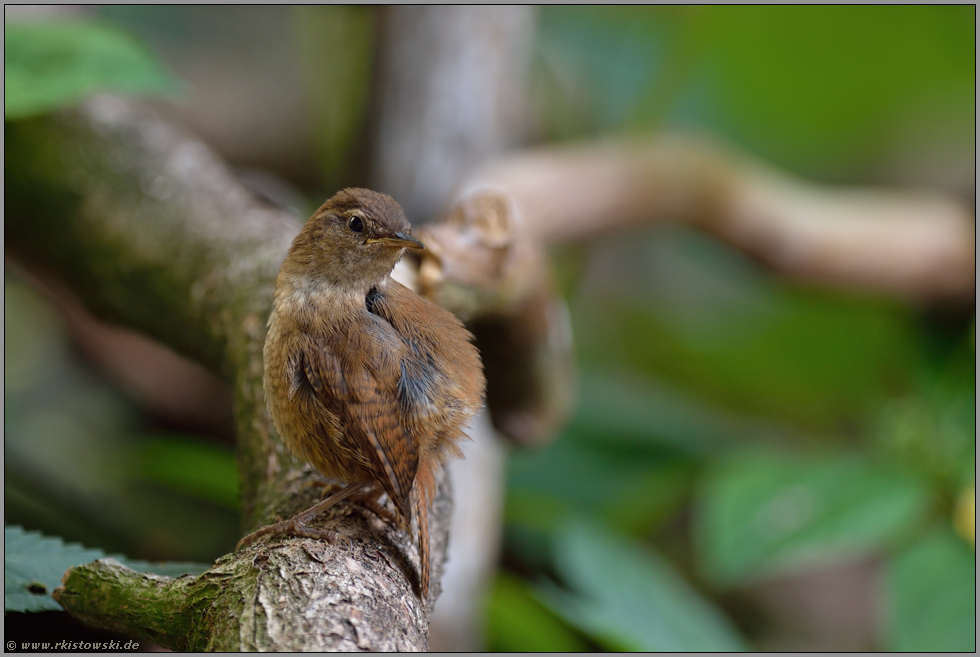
(765,513)
(52,64)
(33,566)
(932,596)
(627,597)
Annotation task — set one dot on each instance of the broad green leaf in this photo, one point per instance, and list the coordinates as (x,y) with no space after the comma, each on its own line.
(932,596)
(518,622)
(49,65)
(33,566)
(765,513)
(626,597)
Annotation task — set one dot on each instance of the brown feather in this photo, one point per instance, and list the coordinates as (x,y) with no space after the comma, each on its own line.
(365,380)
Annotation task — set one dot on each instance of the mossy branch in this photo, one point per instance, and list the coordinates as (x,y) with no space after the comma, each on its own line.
(350,604)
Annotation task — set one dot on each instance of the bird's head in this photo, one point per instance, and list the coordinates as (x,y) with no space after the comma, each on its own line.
(352,241)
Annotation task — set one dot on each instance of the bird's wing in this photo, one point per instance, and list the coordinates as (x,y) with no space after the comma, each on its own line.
(355,377)
(442,382)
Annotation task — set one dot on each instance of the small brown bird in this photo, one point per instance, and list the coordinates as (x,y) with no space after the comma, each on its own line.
(365,380)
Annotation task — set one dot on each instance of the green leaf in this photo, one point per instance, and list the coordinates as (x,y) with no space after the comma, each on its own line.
(766,513)
(49,65)
(33,566)
(932,596)
(626,597)
(518,622)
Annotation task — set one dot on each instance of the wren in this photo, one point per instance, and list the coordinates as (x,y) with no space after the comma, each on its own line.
(365,380)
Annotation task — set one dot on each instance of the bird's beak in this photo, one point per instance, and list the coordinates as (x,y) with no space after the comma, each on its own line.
(398,241)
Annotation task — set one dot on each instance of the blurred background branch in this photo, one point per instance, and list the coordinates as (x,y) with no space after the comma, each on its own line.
(918,246)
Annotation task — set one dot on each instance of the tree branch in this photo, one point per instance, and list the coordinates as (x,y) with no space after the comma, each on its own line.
(152,231)
(292,596)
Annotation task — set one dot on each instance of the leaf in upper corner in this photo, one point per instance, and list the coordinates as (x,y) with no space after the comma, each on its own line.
(33,566)
(627,597)
(51,64)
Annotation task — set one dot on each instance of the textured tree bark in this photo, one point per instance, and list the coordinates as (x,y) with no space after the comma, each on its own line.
(296,595)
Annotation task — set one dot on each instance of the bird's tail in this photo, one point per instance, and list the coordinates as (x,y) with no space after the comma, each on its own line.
(424,489)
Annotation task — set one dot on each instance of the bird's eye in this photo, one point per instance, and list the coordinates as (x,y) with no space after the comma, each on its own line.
(355,224)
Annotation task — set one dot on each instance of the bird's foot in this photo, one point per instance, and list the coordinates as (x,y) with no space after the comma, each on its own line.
(291,527)
(326,487)
(367,498)
(296,526)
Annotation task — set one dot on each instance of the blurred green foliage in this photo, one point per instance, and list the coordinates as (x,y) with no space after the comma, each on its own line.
(764,512)
(518,622)
(731,429)
(200,470)
(81,463)
(749,428)
(822,90)
(785,429)
(626,597)
(337,41)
